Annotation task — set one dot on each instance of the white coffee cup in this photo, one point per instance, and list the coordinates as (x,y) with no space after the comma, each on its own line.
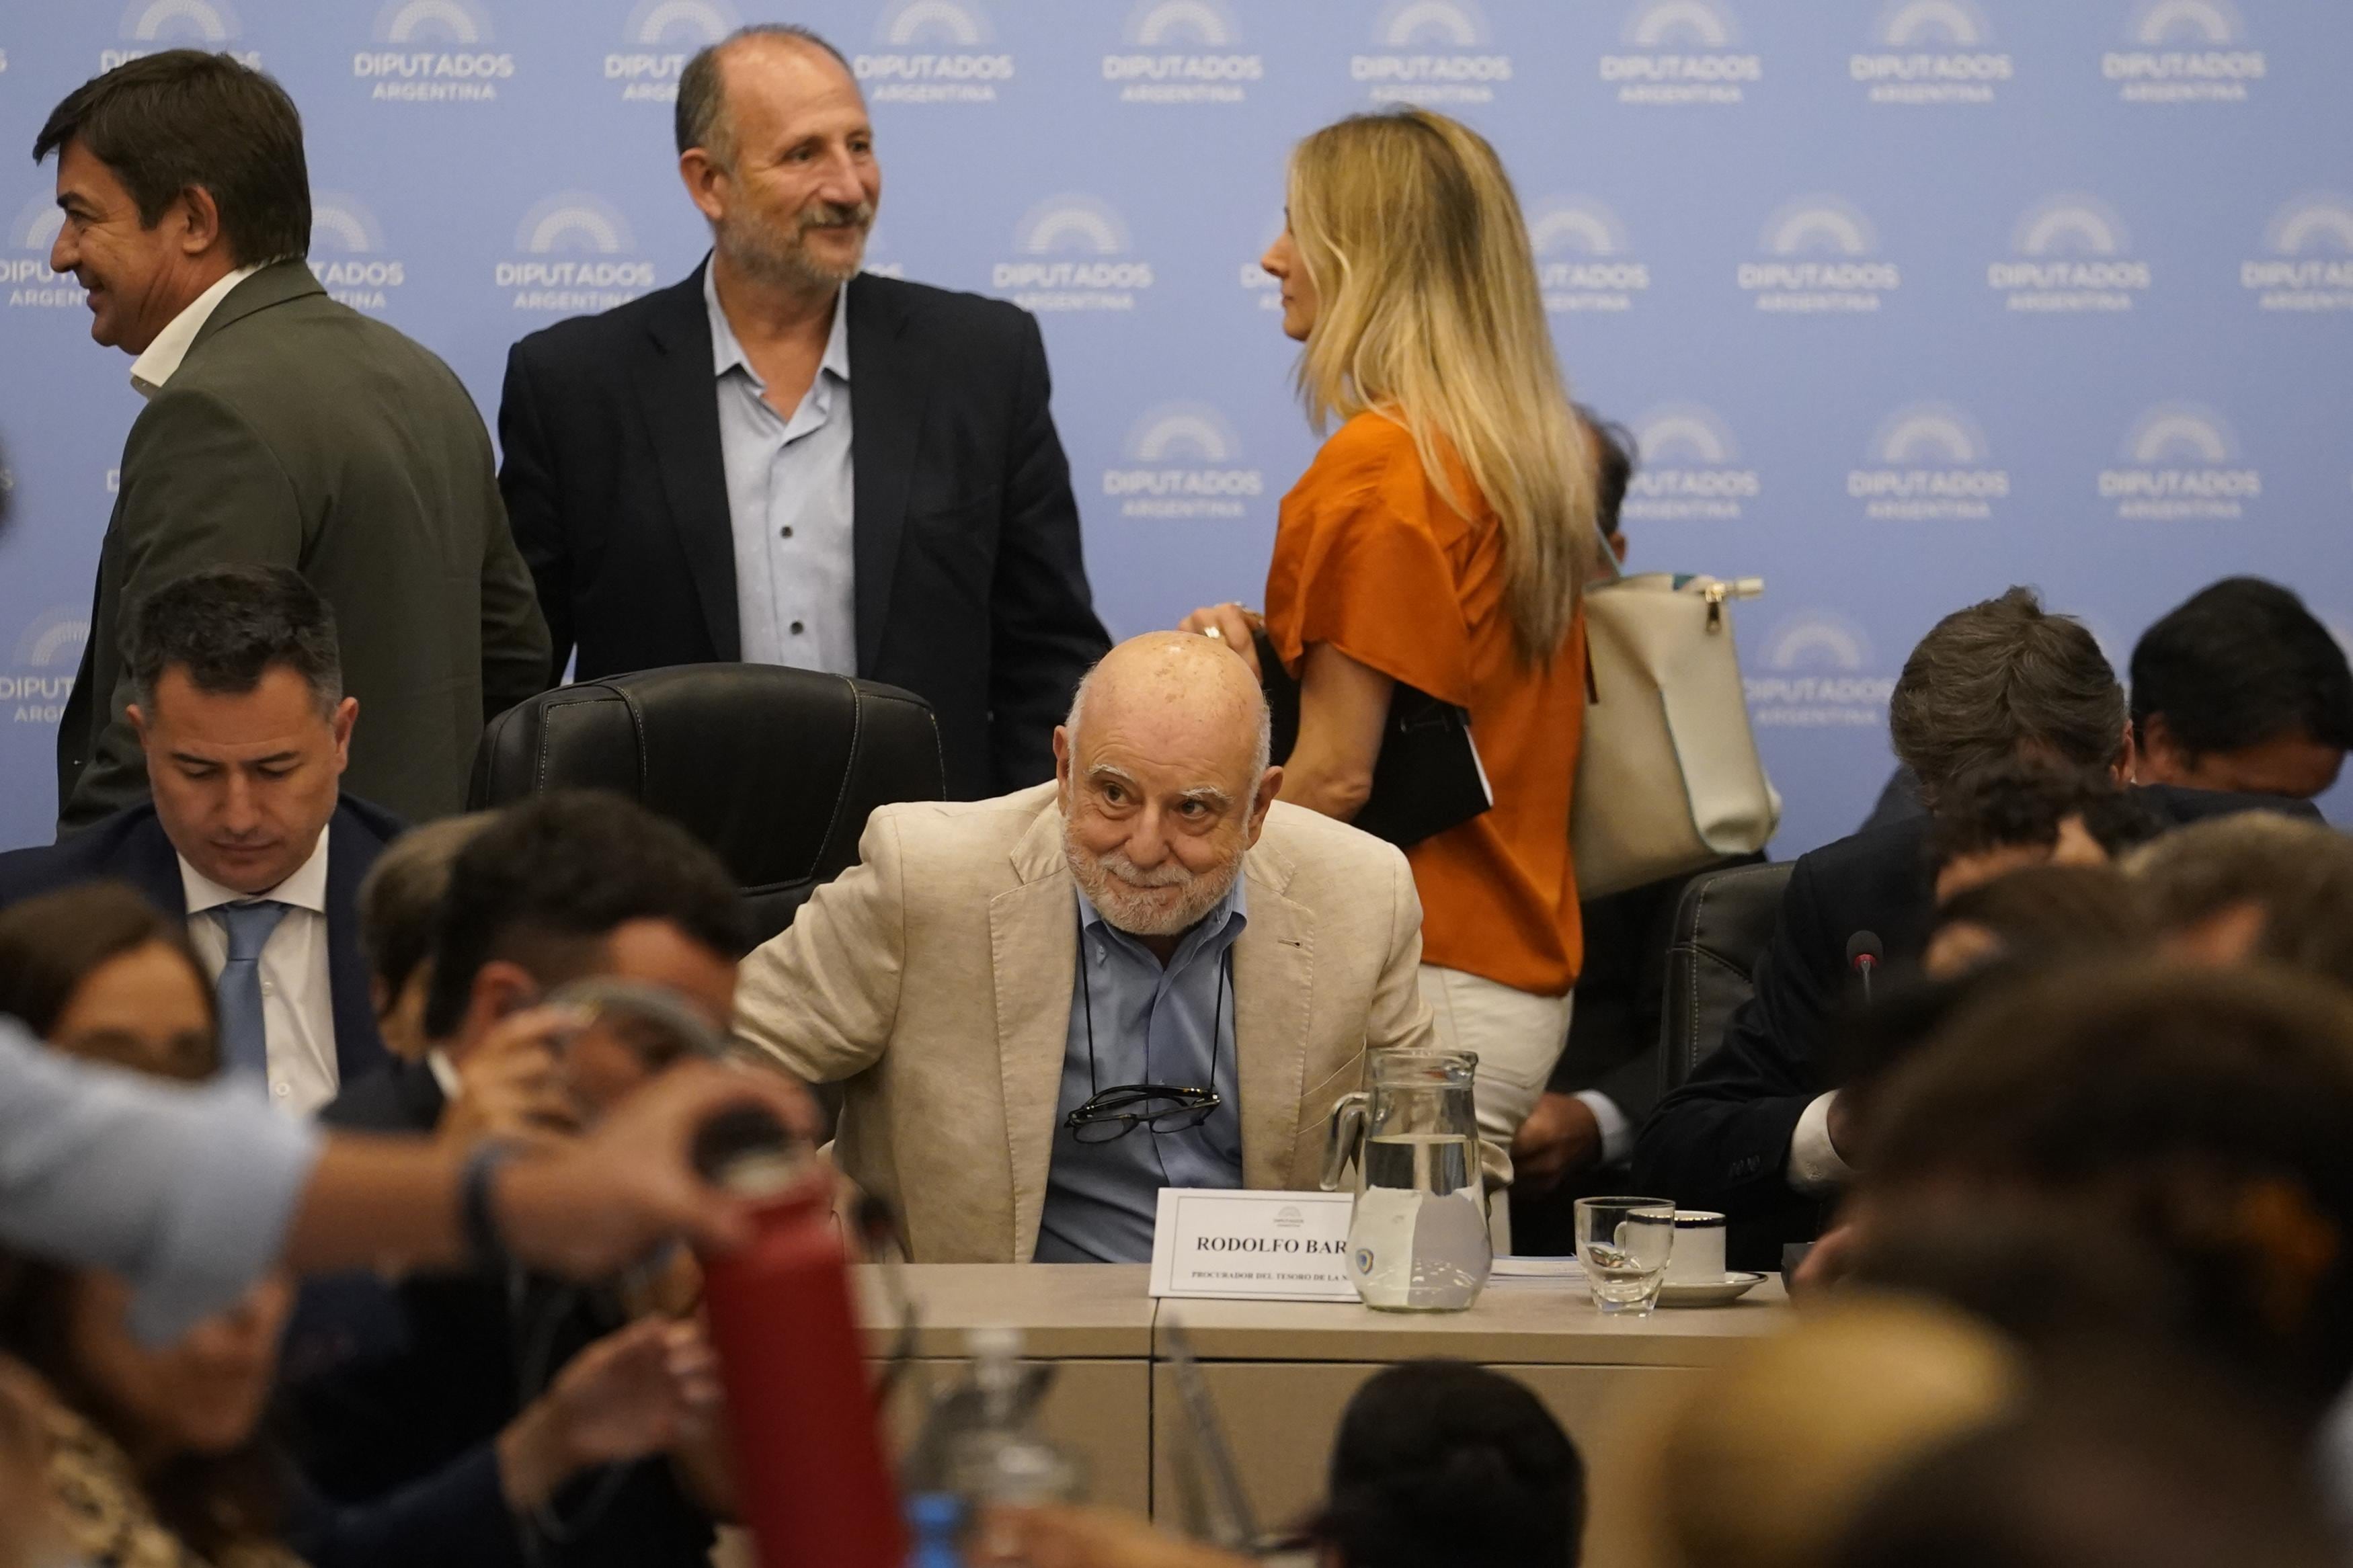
(1698,1257)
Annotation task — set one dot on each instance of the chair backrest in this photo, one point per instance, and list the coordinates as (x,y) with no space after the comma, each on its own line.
(1722,927)
(775,769)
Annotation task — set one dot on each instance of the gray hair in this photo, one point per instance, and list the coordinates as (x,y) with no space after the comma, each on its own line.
(701,119)
(1262,754)
(2000,676)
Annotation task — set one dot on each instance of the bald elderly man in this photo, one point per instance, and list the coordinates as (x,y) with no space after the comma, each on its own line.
(994,978)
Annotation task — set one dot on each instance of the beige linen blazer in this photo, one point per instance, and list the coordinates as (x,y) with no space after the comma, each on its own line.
(934,979)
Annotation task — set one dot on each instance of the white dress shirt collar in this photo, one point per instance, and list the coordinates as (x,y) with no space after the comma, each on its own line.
(161,360)
(727,352)
(305,888)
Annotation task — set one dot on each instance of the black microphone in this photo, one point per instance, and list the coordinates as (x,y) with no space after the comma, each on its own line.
(1864,955)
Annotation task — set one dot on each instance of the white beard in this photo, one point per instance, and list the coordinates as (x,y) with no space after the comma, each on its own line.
(1117,888)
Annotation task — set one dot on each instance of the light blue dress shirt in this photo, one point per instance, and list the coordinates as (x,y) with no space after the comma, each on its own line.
(789,502)
(1151,1025)
(187,1192)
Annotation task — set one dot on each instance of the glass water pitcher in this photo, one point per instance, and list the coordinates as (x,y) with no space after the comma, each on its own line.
(1418,1236)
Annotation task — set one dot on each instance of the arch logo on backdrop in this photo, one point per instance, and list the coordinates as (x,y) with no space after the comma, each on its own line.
(1690,469)
(1928,463)
(32,233)
(1434,52)
(2184,51)
(1821,258)
(1072,253)
(2069,254)
(1183,460)
(432,51)
(42,663)
(2181,462)
(151,24)
(932,51)
(1818,672)
(347,252)
(1582,257)
(1182,51)
(1679,53)
(573,253)
(657,37)
(2309,263)
(1931,52)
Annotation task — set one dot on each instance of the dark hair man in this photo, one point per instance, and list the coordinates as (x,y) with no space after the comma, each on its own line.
(239,711)
(281,427)
(562,887)
(785,460)
(1749,1134)
(2240,688)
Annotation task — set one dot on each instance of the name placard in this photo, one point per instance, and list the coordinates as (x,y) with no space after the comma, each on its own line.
(1259,1246)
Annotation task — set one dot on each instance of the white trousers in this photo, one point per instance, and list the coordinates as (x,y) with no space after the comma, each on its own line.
(1517,1035)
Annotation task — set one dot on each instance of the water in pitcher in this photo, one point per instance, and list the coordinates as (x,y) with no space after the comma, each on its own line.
(1419,1240)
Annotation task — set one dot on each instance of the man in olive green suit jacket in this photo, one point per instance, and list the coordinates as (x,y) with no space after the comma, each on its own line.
(281,427)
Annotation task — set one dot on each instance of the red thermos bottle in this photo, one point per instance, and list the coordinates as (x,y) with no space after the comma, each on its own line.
(810,1472)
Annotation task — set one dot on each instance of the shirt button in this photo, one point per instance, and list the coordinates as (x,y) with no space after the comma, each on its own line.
(788,530)
(797,628)
(280,1089)
(267,989)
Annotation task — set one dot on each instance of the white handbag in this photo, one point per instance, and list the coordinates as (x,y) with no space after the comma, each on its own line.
(1668,779)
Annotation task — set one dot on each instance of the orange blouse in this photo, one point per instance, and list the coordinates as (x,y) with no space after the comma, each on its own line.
(1368,558)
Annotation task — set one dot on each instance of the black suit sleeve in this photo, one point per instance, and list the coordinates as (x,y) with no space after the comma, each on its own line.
(534,510)
(1722,1140)
(1042,627)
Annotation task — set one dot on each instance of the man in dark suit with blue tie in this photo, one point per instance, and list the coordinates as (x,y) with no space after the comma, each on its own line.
(241,713)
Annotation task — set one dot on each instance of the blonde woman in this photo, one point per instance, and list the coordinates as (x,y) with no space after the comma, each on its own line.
(1441,539)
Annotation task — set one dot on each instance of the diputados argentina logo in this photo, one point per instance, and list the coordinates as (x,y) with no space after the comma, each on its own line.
(41,667)
(1821,258)
(573,254)
(433,51)
(1931,51)
(151,24)
(347,254)
(1072,255)
(1819,675)
(1182,51)
(1929,464)
(2181,463)
(1581,256)
(2069,254)
(2310,264)
(934,51)
(657,37)
(1676,53)
(2185,51)
(1431,52)
(1184,460)
(1691,469)
(32,234)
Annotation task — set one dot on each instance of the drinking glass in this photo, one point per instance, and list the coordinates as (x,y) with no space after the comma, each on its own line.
(1624,1243)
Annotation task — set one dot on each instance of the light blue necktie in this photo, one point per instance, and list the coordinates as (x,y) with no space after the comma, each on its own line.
(245,1042)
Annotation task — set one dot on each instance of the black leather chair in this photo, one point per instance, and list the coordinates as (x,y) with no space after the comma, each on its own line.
(1722,925)
(775,769)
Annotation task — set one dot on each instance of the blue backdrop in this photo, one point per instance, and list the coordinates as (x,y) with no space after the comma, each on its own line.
(1906,300)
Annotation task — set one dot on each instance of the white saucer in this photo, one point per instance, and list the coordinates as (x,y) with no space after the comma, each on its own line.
(1708,1292)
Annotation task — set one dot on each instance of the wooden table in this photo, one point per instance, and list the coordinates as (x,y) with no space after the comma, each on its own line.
(1280,1372)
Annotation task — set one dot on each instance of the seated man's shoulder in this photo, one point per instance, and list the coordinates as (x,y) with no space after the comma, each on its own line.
(111,846)
(1309,844)
(947,319)
(1892,848)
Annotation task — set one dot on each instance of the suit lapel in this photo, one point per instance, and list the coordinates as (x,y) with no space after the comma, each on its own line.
(1274,972)
(1033,953)
(680,401)
(351,850)
(886,393)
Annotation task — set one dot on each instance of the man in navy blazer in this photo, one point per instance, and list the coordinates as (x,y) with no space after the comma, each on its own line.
(241,715)
(785,460)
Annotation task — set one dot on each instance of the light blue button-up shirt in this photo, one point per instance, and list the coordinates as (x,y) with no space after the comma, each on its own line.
(789,502)
(1173,1026)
